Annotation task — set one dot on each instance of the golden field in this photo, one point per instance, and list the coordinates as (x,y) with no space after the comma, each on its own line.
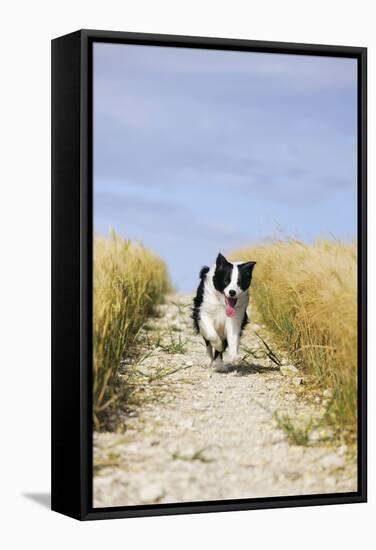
(307,294)
(129,281)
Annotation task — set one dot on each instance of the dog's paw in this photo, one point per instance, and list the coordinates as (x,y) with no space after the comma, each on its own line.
(218,365)
(222,368)
(232,359)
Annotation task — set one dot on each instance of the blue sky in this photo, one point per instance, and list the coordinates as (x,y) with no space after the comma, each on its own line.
(201,151)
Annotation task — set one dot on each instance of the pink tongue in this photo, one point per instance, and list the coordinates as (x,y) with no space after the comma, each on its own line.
(230,311)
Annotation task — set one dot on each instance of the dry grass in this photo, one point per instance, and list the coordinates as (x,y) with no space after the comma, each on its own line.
(129,281)
(308,295)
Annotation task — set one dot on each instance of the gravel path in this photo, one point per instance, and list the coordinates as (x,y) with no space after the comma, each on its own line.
(204,435)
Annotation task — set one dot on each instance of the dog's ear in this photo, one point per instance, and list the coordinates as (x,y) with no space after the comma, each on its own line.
(221,260)
(248,266)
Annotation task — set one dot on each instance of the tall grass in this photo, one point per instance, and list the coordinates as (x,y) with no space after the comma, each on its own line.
(129,281)
(308,295)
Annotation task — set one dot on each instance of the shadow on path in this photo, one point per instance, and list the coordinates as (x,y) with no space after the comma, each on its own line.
(245,369)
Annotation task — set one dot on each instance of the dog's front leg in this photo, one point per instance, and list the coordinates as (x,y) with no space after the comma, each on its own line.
(209,333)
(214,343)
(233,337)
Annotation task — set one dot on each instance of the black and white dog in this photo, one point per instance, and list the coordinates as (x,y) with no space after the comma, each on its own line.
(220,307)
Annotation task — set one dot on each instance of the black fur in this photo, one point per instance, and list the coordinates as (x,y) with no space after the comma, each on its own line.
(223,272)
(244,322)
(245,274)
(197,301)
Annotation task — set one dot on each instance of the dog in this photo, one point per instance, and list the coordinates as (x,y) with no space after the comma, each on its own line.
(220,307)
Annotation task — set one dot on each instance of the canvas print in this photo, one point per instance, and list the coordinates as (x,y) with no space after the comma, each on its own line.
(224,275)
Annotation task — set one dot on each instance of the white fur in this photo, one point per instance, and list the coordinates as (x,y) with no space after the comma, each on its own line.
(214,324)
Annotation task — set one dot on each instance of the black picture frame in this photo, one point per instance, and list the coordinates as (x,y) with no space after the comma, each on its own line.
(72,219)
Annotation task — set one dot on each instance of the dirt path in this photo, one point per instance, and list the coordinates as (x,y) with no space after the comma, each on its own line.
(203,435)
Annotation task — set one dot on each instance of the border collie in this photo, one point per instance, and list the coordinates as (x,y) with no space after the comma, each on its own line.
(220,307)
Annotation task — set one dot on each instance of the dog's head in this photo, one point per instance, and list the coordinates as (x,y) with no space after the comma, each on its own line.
(232,279)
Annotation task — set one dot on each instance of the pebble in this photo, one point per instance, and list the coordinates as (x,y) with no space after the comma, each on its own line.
(332,461)
(289,370)
(151,493)
(186,423)
(291,396)
(326,434)
(331,481)
(297,380)
(314,436)
(342,450)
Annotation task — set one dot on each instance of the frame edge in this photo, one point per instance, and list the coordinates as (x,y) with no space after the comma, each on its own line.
(65,334)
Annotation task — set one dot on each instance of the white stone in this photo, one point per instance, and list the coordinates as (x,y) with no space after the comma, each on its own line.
(289,370)
(151,493)
(314,436)
(326,434)
(332,461)
(291,396)
(342,450)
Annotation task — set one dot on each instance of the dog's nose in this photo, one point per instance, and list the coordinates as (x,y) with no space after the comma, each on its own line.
(232,293)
